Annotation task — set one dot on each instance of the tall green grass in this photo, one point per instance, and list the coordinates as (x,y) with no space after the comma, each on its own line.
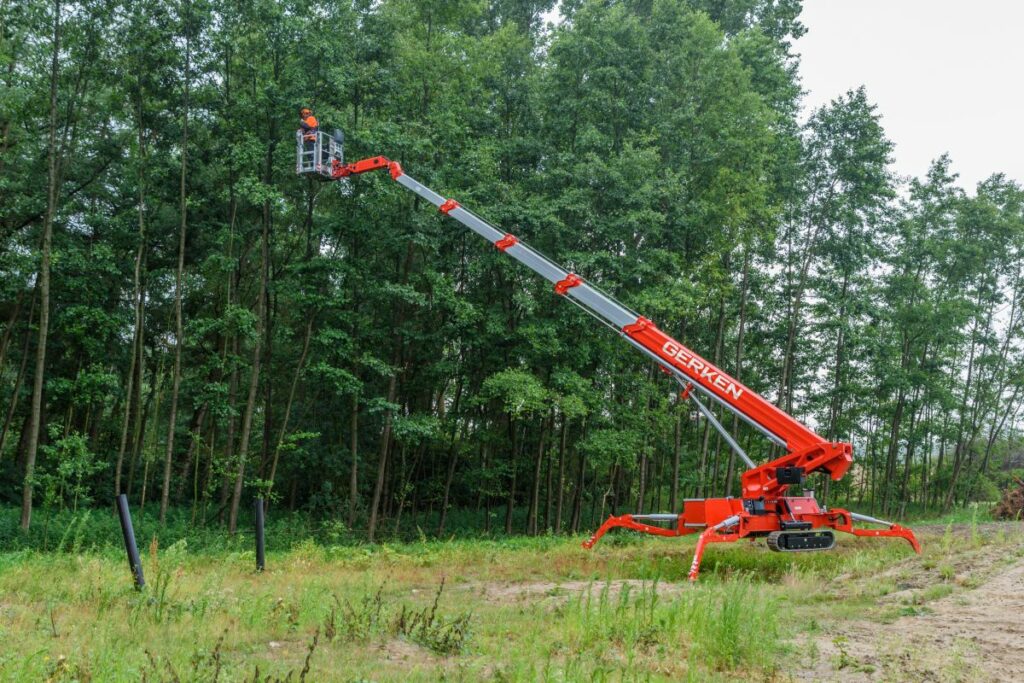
(717,625)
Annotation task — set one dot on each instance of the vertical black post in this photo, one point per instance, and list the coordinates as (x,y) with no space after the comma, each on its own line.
(261,559)
(134,563)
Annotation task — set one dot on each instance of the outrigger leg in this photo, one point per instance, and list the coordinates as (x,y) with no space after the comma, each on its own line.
(629,522)
(712,535)
(843,521)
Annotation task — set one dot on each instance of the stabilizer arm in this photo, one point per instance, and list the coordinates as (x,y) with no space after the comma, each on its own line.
(842,520)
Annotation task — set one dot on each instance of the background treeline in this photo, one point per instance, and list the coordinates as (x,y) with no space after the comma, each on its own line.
(186,320)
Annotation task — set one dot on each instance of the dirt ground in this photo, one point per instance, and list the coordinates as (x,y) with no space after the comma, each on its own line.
(551,594)
(960,620)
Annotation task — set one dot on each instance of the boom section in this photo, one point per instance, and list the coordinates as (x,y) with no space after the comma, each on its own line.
(671,355)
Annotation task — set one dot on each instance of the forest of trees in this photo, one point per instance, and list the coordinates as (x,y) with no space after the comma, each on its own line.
(186,320)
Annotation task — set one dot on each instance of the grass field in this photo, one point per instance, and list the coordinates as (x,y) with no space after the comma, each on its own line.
(513,609)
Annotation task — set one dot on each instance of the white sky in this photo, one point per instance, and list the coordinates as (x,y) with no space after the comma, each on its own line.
(947,76)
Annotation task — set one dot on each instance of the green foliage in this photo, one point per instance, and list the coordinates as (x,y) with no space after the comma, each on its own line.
(398,366)
(73,467)
(519,393)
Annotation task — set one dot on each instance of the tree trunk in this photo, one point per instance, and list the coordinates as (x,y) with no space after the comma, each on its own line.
(179,330)
(190,461)
(137,300)
(706,439)
(677,443)
(532,522)
(890,457)
(382,459)
(353,473)
(961,446)
(158,391)
(261,309)
(44,278)
(909,456)
(12,322)
(243,445)
(511,499)
(642,485)
(254,377)
(453,455)
(139,426)
(548,488)
(561,476)
(229,446)
(231,286)
(738,365)
(288,405)
(15,394)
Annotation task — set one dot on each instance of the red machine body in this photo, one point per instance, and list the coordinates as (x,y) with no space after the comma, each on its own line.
(790,523)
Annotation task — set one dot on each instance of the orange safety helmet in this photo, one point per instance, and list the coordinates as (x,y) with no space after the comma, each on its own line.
(304,111)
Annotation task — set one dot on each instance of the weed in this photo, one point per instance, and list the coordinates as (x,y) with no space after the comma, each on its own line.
(444,637)
(971,582)
(330,624)
(207,666)
(287,678)
(934,592)
(309,656)
(50,610)
(975,539)
(163,674)
(363,619)
(843,658)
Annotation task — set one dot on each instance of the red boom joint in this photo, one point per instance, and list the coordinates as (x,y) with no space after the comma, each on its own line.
(509,240)
(448,206)
(395,169)
(640,325)
(363,166)
(571,280)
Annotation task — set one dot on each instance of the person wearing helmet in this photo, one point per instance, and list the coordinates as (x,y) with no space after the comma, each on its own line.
(308,124)
(309,127)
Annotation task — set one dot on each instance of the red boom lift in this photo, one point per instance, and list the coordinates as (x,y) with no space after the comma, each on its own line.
(790,523)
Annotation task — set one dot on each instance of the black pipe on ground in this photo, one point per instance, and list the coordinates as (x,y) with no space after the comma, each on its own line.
(134,562)
(261,554)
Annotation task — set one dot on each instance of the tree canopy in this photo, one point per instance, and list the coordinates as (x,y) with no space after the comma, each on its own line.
(186,320)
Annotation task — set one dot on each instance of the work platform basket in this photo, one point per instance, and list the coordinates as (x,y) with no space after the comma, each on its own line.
(317,156)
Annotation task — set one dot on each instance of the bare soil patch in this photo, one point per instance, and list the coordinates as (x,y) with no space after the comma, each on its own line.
(552,593)
(973,629)
(409,654)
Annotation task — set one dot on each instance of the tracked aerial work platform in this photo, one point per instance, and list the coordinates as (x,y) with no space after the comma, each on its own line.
(766,507)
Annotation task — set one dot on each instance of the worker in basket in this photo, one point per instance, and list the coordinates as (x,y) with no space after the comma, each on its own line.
(308,124)
(309,127)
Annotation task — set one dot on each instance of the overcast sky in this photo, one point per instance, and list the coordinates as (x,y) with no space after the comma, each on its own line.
(947,76)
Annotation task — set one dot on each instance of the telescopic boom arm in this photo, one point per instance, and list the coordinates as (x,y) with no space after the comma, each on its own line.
(805,449)
(789,523)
